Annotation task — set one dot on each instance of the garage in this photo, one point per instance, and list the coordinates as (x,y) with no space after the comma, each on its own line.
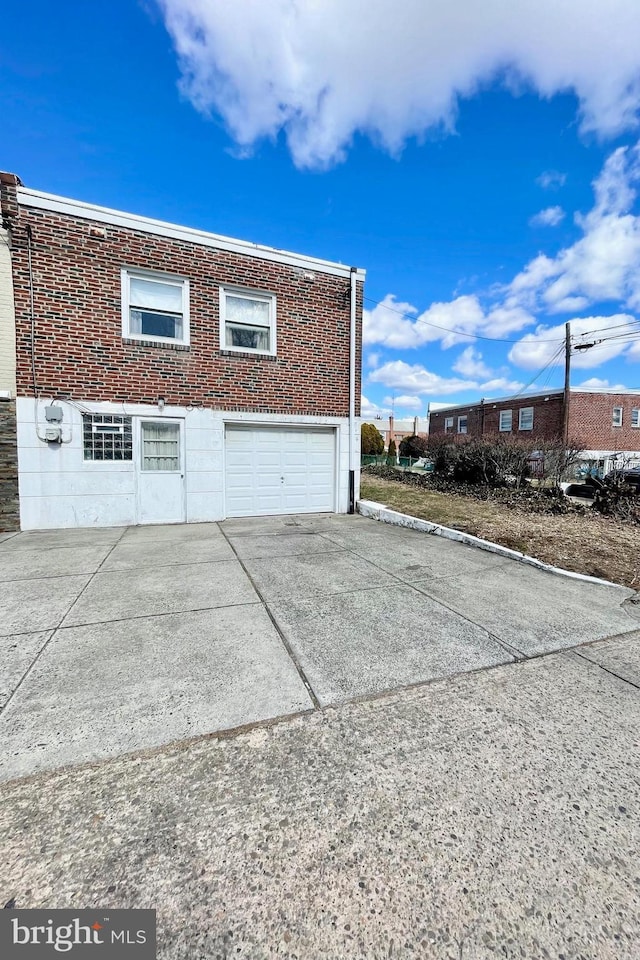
(276,470)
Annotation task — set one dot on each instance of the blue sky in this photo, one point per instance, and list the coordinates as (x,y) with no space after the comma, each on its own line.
(483,169)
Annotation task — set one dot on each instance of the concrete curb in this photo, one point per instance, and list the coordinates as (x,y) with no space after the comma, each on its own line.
(379,511)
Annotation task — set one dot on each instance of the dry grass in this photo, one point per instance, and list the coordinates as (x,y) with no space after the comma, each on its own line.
(595,545)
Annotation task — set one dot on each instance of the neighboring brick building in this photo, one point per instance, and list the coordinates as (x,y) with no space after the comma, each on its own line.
(605,423)
(167,374)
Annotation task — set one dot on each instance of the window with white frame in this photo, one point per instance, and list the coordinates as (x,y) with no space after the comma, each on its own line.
(448,424)
(247,321)
(155,306)
(462,424)
(506,420)
(106,437)
(161,447)
(635,417)
(525,418)
(616,419)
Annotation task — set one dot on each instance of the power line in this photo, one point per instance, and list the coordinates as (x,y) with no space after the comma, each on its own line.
(477,336)
(458,333)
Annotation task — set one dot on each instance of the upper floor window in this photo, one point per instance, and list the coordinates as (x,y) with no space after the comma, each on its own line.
(506,420)
(462,424)
(635,417)
(247,321)
(616,420)
(525,419)
(155,307)
(448,424)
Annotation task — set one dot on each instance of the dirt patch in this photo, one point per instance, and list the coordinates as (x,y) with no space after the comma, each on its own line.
(582,541)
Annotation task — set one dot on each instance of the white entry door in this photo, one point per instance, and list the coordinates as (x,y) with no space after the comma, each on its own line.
(161,471)
(276,470)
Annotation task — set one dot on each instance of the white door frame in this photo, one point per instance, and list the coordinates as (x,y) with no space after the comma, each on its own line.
(137,446)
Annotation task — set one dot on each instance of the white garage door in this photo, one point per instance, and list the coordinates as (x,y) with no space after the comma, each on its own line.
(272,470)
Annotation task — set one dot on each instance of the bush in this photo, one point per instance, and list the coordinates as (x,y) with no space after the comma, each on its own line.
(392,455)
(502,461)
(414,447)
(371,440)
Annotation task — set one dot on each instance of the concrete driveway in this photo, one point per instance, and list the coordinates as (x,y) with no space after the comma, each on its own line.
(116,640)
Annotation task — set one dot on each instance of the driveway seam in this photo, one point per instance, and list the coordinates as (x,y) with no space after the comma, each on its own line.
(55,629)
(508,648)
(152,616)
(303,677)
(608,670)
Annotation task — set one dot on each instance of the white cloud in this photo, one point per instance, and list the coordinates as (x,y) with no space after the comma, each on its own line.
(551,179)
(549,217)
(501,385)
(399,326)
(421,381)
(595,383)
(604,265)
(370,410)
(321,72)
(372,360)
(404,402)
(471,364)
(418,379)
(535,350)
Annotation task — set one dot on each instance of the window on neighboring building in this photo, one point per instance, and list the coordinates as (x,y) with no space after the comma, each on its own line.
(155,307)
(462,424)
(247,321)
(635,417)
(506,419)
(616,420)
(448,424)
(525,418)
(106,437)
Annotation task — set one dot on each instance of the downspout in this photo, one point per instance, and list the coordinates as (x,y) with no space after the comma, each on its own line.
(352,392)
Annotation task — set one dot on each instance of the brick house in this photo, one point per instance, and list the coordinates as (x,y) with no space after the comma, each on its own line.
(167,374)
(605,423)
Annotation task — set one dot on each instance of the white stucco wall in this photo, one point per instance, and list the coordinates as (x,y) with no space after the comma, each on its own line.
(58,488)
(7,319)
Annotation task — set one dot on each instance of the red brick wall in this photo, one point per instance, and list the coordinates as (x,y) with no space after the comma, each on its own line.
(591,421)
(79,347)
(484,420)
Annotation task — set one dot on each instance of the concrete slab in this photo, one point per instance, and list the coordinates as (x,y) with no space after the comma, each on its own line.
(314,575)
(155,590)
(620,655)
(53,539)
(151,681)
(490,815)
(134,552)
(287,525)
(410,555)
(173,531)
(21,564)
(17,653)
(27,606)
(360,643)
(6,536)
(282,546)
(532,610)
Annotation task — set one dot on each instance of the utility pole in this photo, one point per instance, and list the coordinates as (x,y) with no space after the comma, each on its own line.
(567,383)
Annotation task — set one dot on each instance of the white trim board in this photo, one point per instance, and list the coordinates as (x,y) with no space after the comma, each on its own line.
(160,228)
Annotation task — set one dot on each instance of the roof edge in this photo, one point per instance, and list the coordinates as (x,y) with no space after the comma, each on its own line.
(89,211)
